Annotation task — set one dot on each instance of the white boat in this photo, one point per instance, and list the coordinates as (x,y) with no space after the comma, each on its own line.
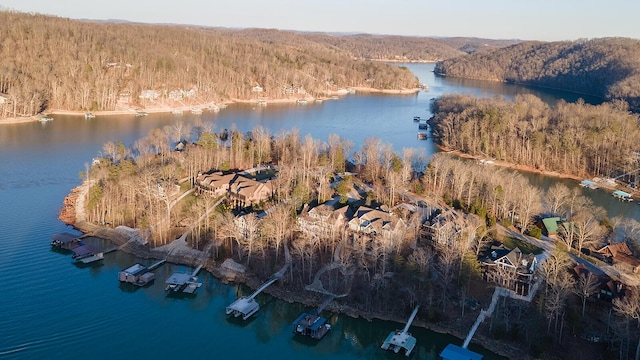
(302,101)
(46,118)
(89,115)
(262,102)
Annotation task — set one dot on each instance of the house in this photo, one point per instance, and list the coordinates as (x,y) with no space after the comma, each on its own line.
(510,268)
(149,94)
(621,256)
(552,227)
(215,183)
(375,222)
(3,100)
(247,192)
(608,289)
(443,228)
(257,88)
(324,219)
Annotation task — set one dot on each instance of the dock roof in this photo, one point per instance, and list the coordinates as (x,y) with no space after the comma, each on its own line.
(453,352)
(178,278)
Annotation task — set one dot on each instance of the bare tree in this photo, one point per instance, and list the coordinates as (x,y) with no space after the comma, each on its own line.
(587,285)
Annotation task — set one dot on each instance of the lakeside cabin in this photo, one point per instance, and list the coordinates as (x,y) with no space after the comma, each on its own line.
(589,184)
(621,195)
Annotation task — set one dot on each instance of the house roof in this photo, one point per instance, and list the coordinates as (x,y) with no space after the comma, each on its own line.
(613,250)
(551,224)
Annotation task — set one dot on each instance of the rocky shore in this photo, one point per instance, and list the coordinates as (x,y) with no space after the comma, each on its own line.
(178,252)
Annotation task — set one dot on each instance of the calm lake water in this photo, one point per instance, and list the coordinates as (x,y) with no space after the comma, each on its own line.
(54,309)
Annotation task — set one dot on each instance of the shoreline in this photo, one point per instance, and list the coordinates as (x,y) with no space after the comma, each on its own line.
(177,252)
(508,165)
(330,95)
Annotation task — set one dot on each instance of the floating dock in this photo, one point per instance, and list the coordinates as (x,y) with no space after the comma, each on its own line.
(401,339)
(621,195)
(66,241)
(588,184)
(87,254)
(183,283)
(247,306)
(312,324)
(416,118)
(138,274)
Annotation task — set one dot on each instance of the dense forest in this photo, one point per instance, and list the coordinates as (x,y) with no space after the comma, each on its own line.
(380,47)
(607,67)
(572,138)
(56,63)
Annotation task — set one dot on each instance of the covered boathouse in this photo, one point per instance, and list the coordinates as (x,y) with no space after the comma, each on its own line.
(311,324)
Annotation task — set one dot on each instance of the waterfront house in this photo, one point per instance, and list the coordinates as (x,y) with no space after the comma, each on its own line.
(247,192)
(324,219)
(215,183)
(509,268)
(3,100)
(375,222)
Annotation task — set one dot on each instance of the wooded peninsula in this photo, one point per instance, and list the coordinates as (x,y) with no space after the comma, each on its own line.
(383,233)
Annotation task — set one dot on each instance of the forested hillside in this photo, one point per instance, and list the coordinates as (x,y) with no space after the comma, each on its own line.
(572,138)
(607,67)
(56,63)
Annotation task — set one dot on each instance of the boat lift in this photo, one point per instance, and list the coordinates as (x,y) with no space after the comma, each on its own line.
(247,305)
(401,339)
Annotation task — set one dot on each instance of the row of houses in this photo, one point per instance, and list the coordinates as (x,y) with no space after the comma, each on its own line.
(330,217)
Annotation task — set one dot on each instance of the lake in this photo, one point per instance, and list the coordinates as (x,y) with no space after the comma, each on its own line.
(54,309)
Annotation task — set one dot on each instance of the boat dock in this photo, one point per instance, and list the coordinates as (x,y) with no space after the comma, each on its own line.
(398,339)
(422,135)
(423,125)
(312,324)
(183,283)
(138,274)
(589,184)
(87,254)
(621,195)
(247,305)
(416,118)
(66,241)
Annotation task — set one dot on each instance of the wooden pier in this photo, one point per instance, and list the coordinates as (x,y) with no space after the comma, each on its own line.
(401,339)
(183,283)
(66,241)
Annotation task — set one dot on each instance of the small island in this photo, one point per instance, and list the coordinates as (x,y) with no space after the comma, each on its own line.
(380,234)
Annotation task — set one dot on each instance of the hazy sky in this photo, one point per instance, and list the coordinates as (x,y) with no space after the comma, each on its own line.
(497,19)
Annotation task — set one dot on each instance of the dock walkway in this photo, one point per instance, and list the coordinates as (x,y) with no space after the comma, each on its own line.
(398,340)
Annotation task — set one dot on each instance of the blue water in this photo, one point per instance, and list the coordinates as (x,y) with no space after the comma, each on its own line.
(51,308)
